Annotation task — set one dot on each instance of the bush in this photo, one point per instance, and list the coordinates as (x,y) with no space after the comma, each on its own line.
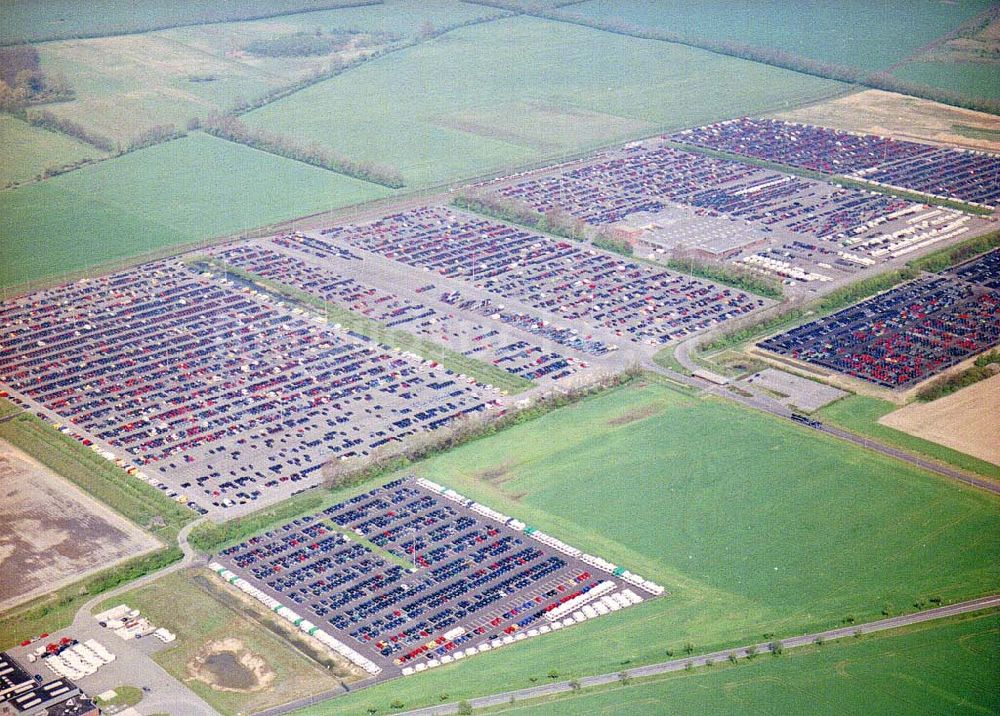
(464,707)
(730,275)
(985,366)
(300,44)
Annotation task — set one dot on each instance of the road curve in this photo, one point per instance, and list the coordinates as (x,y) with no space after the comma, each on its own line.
(741,652)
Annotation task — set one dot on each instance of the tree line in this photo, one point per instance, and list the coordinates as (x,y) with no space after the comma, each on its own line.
(730,275)
(235,130)
(23,83)
(555,221)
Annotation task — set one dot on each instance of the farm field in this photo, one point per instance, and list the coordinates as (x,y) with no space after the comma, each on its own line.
(28,150)
(209,618)
(862,414)
(34,22)
(959,421)
(401,17)
(967,63)
(127,84)
(889,114)
(932,669)
(852,32)
(975,79)
(781,531)
(524,87)
(53,533)
(181,191)
(171,76)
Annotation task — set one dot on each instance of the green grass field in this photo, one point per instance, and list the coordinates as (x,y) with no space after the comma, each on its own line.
(33,21)
(515,91)
(939,668)
(969,78)
(860,414)
(402,17)
(182,191)
(128,83)
(198,617)
(28,150)
(753,524)
(870,36)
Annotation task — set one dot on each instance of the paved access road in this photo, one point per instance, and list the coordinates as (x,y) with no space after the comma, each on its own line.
(739,653)
(134,664)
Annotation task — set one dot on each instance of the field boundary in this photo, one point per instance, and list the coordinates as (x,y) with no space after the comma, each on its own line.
(755,53)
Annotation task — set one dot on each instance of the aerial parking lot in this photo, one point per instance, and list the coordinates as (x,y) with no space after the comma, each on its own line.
(460,356)
(943,172)
(808,233)
(412,575)
(573,282)
(217,394)
(904,336)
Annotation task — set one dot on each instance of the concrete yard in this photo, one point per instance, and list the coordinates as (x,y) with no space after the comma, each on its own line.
(794,391)
(52,534)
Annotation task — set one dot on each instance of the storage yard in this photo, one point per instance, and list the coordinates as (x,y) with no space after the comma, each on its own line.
(590,288)
(805,232)
(478,579)
(227,397)
(216,395)
(52,534)
(908,334)
(308,263)
(948,173)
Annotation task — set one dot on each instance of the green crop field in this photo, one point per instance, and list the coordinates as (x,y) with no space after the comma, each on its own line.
(932,669)
(402,17)
(514,91)
(182,191)
(969,78)
(28,150)
(754,525)
(856,33)
(860,414)
(22,21)
(128,83)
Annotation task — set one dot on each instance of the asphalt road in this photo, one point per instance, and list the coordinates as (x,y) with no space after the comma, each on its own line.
(742,652)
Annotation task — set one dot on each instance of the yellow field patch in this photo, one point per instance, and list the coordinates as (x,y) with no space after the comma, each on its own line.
(964,421)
